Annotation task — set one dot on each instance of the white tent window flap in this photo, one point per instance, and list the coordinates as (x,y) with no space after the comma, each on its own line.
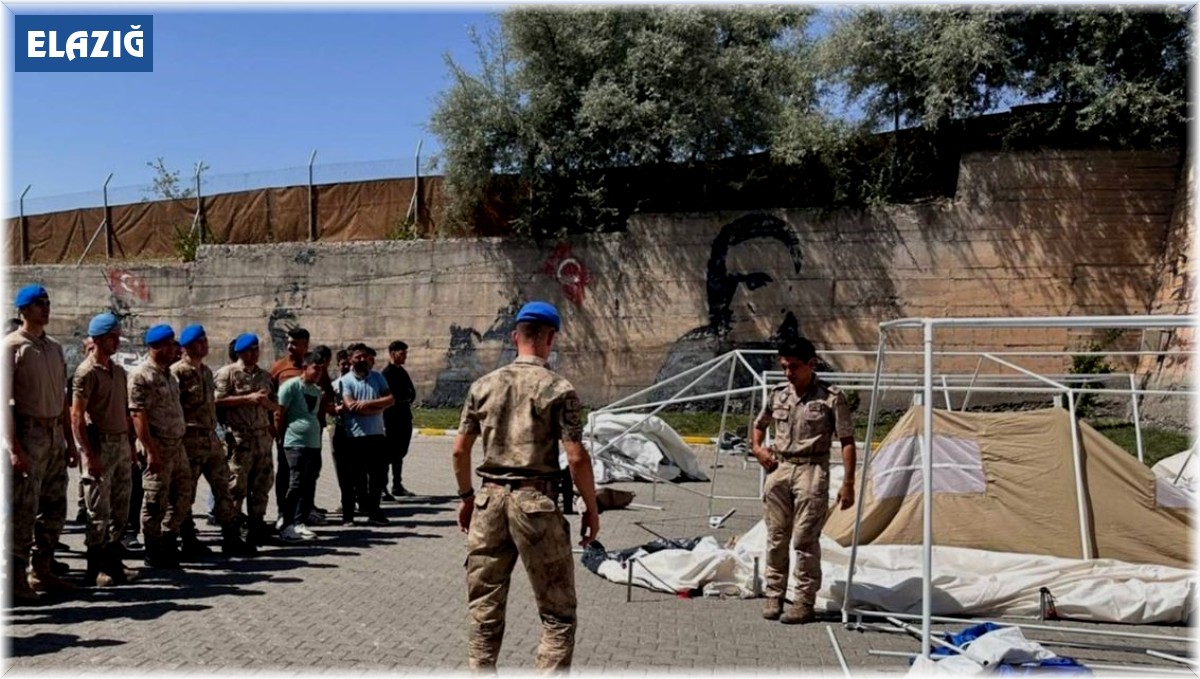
(957,467)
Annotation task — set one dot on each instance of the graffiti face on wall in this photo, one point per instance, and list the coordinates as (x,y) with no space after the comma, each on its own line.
(569,271)
(748,295)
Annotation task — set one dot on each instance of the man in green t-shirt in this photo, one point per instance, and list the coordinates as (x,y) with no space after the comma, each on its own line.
(299,406)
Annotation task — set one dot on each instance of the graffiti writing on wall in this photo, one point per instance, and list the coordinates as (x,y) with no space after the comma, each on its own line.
(569,271)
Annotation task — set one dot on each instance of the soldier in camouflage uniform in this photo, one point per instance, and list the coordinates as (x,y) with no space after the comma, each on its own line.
(807,413)
(158,421)
(513,513)
(40,448)
(100,395)
(243,392)
(206,454)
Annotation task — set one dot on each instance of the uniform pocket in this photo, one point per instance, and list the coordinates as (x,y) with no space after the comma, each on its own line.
(536,504)
(817,418)
(481,500)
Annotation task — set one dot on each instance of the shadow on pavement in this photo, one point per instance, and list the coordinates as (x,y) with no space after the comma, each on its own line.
(47,642)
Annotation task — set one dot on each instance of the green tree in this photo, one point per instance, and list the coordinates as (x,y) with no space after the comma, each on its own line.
(166,183)
(1121,73)
(563,98)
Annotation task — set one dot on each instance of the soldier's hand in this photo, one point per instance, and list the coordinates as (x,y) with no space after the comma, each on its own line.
(72,456)
(589,527)
(20,463)
(846,496)
(765,458)
(465,509)
(95,468)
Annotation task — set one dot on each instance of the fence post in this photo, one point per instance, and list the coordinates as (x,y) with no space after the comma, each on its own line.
(198,218)
(312,217)
(108,235)
(23,227)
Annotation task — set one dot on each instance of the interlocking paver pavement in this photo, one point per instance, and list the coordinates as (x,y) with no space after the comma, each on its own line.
(393,599)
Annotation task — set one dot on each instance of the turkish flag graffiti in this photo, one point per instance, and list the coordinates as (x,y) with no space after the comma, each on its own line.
(128,286)
(569,271)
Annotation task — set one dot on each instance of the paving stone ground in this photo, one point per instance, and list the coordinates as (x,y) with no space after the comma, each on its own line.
(392,599)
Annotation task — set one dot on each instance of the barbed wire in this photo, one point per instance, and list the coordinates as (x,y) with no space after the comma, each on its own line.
(212,184)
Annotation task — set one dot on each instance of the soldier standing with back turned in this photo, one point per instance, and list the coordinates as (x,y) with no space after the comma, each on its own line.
(522,411)
(807,412)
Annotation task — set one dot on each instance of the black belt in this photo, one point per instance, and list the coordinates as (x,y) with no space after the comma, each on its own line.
(542,485)
(802,459)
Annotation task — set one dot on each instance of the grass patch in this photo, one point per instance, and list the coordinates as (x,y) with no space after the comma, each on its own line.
(1157,443)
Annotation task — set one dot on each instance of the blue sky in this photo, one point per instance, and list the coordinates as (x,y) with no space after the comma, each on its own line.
(244,92)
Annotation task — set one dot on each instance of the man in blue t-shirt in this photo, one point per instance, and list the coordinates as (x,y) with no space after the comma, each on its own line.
(298,420)
(364,396)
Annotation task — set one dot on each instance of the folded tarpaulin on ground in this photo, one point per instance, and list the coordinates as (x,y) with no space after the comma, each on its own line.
(966,581)
(651,449)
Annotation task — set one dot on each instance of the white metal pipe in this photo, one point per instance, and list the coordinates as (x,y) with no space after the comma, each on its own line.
(659,385)
(927,500)
(946,393)
(927,638)
(1113,322)
(749,367)
(1023,371)
(1096,666)
(1085,537)
(872,413)
(974,376)
(1137,419)
(1175,658)
(1065,629)
(837,649)
(654,412)
(708,396)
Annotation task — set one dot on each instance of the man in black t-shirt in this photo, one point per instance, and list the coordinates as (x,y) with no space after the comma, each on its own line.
(397,420)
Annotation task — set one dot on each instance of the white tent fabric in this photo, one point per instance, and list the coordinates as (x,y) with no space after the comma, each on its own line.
(966,581)
(654,448)
(1188,462)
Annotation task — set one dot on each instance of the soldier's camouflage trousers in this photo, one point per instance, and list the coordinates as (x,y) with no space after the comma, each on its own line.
(165,493)
(38,500)
(107,498)
(206,456)
(795,501)
(525,522)
(251,470)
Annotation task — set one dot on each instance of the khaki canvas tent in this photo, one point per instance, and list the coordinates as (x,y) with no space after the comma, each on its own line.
(1007,482)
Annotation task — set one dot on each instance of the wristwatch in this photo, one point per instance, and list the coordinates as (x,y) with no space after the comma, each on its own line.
(470,492)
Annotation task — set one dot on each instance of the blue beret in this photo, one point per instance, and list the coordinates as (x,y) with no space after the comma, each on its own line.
(190,334)
(159,333)
(102,324)
(30,293)
(542,313)
(244,341)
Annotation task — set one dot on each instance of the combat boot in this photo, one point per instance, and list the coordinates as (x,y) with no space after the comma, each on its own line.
(22,593)
(58,568)
(772,608)
(157,556)
(169,549)
(111,565)
(43,580)
(95,575)
(232,543)
(192,548)
(798,614)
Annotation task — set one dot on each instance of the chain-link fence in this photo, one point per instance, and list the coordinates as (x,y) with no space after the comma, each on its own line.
(211,184)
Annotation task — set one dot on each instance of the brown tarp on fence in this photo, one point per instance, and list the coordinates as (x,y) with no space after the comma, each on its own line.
(368,210)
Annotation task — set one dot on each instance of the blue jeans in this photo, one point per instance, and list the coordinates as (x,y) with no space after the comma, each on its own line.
(303,466)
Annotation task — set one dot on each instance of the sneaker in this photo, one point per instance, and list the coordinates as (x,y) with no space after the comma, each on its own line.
(322,510)
(315,519)
(303,531)
(131,542)
(377,520)
(279,524)
(401,491)
(291,534)
(386,497)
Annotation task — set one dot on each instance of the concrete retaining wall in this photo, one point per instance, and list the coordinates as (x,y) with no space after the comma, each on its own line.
(1028,234)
